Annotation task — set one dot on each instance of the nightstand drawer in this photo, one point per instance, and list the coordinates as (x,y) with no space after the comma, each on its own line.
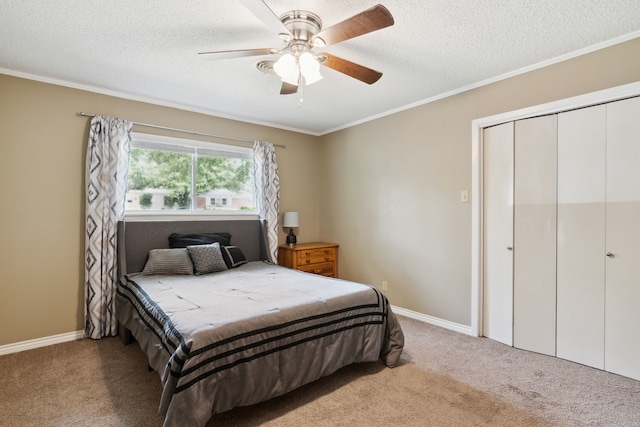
(317,255)
(324,269)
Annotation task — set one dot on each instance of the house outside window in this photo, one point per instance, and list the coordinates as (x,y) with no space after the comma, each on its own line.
(175,175)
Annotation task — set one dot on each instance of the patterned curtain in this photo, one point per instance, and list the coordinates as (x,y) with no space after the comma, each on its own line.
(106,182)
(267,182)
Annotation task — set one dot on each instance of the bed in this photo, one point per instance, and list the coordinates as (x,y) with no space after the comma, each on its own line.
(245,333)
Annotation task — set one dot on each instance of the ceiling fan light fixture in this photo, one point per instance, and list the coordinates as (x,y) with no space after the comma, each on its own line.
(309,68)
(287,69)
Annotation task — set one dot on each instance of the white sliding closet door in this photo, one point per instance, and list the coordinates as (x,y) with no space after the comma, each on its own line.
(498,233)
(581,236)
(534,235)
(622,318)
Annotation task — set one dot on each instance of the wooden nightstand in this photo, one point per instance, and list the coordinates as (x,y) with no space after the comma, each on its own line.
(318,258)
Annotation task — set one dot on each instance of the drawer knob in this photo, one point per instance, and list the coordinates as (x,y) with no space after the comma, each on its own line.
(308,261)
(326,258)
(318,271)
(307,253)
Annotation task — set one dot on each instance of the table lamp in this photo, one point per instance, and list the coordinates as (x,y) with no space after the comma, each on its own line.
(290,220)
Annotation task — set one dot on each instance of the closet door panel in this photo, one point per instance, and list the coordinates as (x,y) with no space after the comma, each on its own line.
(581,236)
(497,317)
(534,236)
(622,309)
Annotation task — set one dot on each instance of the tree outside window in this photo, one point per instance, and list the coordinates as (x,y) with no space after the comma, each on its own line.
(161,177)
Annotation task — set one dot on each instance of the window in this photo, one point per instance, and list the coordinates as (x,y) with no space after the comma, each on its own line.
(179,175)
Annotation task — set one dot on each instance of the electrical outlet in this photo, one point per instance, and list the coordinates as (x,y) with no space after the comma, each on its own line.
(385,285)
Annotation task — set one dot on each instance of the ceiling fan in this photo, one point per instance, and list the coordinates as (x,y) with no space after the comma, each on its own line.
(301,32)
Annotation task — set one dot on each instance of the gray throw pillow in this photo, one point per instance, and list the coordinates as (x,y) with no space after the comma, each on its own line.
(168,261)
(207,258)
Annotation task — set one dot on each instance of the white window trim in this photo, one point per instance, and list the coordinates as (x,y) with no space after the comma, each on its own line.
(193,214)
(189,143)
(190,216)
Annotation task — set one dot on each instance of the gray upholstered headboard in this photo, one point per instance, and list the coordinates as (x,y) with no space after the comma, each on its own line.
(137,238)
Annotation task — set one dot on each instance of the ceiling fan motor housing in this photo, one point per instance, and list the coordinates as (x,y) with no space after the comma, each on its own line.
(302,25)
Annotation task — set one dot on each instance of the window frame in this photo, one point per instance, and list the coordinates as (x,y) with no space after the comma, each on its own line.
(189,146)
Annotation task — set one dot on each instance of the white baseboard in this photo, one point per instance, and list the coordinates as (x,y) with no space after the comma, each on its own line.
(464,329)
(40,342)
(77,335)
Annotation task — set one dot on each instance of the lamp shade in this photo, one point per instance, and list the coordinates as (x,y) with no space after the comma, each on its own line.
(287,69)
(310,68)
(290,219)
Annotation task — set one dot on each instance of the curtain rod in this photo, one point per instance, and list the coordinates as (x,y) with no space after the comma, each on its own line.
(192,132)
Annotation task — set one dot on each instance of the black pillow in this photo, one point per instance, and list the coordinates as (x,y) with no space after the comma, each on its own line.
(233,256)
(183,240)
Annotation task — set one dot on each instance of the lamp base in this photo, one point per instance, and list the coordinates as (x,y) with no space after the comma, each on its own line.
(291,238)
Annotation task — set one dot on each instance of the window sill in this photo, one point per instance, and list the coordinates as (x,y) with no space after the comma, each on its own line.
(189,216)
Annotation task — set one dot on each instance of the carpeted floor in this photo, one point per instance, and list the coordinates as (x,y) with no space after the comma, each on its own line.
(447,379)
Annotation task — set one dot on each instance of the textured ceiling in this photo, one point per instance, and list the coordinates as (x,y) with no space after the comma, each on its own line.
(148,50)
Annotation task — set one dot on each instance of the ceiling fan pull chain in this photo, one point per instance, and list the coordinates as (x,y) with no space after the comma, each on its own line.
(300,90)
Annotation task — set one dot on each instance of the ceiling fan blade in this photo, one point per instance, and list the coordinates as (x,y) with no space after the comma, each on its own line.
(228,54)
(288,89)
(373,19)
(357,71)
(260,9)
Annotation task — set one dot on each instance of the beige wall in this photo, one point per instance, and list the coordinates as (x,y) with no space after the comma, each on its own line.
(393,184)
(42,156)
(390,188)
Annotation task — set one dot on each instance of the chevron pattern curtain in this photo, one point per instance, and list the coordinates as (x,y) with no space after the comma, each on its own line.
(106,182)
(267,183)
